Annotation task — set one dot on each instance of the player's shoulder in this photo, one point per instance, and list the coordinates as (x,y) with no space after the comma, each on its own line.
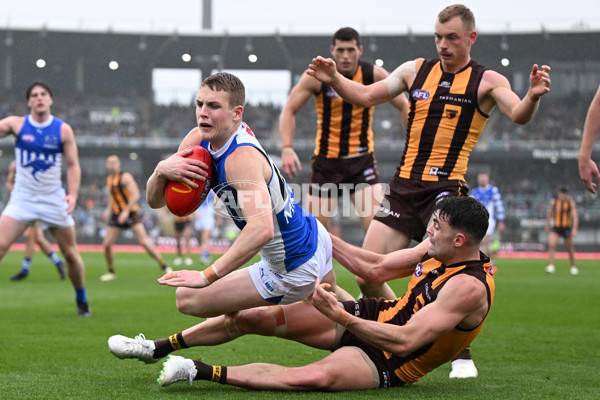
(493,79)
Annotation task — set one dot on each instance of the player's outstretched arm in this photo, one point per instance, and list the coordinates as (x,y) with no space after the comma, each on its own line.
(324,69)
(518,110)
(378,267)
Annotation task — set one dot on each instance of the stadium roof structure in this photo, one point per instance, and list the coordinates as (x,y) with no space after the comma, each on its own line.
(80,60)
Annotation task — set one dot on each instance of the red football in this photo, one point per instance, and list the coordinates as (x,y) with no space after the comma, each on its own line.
(182,199)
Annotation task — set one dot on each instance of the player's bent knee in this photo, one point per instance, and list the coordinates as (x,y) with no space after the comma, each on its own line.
(265,321)
(184,301)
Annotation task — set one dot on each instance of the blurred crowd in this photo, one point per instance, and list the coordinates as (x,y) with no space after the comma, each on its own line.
(129,115)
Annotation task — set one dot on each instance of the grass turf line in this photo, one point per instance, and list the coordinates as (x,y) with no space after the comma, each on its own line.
(540,340)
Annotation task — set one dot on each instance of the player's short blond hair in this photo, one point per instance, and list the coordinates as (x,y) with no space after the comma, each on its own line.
(458,10)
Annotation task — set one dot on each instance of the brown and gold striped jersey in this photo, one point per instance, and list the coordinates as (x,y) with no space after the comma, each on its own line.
(119,195)
(344,130)
(561,213)
(444,122)
(429,278)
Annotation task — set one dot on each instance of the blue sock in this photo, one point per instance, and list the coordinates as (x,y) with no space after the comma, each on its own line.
(26,264)
(55,258)
(80,294)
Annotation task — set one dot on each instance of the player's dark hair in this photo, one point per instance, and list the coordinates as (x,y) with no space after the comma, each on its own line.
(228,83)
(465,214)
(345,35)
(37,83)
(458,10)
(563,189)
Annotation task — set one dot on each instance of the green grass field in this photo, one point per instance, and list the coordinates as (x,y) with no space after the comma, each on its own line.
(541,341)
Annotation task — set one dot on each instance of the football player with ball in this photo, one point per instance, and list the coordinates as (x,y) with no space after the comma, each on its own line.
(295,249)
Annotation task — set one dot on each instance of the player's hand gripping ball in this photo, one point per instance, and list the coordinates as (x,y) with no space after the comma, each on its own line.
(182,199)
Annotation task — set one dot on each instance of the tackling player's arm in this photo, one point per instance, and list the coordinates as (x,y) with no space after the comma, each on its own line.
(378,267)
(71,156)
(462,302)
(176,168)
(299,95)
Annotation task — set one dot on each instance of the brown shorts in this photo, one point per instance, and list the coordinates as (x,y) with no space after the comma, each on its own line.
(408,204)
(133,219)
(182,223)
(369,309)
(328,173)
(562,232)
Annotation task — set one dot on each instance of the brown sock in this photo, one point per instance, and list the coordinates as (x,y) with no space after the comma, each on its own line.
(212,373)
(162,347)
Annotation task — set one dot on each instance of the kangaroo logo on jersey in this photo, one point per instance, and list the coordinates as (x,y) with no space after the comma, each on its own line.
(420,94)
(38,166)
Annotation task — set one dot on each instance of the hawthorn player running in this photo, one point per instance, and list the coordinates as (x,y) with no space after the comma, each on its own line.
(121,213)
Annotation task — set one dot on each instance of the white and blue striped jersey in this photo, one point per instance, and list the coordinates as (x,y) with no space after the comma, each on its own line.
(295,230)
(38,155)
(490,197)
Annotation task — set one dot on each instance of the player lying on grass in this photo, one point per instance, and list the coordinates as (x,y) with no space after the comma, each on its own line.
(373,342)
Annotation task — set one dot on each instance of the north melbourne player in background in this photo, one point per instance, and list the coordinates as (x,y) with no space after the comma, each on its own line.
(489,195)
(588,170)
(33,235)
(121,213)
(344,152)
(451,98)
(562,221)
(373,343)
(42,143)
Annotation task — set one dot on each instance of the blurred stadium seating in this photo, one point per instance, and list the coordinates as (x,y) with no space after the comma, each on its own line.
(528,163)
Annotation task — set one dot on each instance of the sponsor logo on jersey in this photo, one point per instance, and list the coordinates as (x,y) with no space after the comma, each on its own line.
(420,94)
(445,84)
(419,270)
(28,137)
(388,212)
(437,171)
